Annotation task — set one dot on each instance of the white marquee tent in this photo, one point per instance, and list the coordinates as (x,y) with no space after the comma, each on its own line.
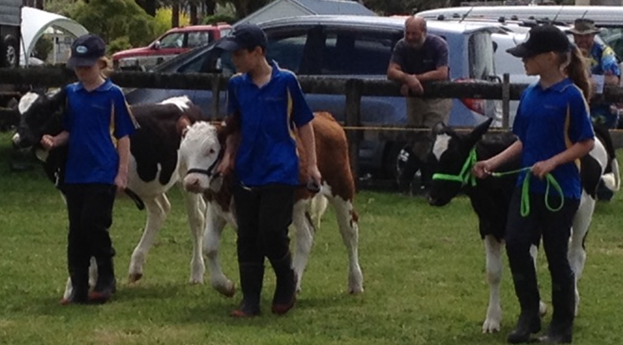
(36,23)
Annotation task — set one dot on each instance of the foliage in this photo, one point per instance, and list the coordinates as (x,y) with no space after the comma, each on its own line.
(424,270)
(119,44)
(112,19)
(63,7)
(218,18)
(43,47)
(162,20)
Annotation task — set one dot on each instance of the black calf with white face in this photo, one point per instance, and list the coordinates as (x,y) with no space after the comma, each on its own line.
(39,114)
(453,155)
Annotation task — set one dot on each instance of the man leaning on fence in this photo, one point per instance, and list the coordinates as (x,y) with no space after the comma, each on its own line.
(419,57)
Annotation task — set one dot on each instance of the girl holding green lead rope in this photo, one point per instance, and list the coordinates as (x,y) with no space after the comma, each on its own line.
(554,131)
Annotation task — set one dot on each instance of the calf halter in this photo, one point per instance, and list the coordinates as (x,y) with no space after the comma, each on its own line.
(466,177)
(210,170)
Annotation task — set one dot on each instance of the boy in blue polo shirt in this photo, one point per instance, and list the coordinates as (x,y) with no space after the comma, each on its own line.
(554,130)
(96,167)
(268,108)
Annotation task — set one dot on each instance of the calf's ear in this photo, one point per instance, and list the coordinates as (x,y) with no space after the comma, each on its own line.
(58,100)
(479,131)
(438,128)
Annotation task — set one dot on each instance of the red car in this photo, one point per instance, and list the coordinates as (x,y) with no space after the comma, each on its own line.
(173,42)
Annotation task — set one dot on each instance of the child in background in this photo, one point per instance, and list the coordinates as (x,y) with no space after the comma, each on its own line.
(97,125)
(554,130)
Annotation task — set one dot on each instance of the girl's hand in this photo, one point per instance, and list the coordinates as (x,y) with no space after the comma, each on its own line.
(542,168)
(482,169)
(121,181)
(47,142)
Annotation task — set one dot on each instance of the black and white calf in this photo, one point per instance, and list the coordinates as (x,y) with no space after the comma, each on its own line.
(199,152)
(490,197)
(153,167)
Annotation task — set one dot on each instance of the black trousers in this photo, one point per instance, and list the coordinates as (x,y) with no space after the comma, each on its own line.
(90,208)
(263,215)
(555,229)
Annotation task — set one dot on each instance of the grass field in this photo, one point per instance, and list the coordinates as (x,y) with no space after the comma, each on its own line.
(423,269)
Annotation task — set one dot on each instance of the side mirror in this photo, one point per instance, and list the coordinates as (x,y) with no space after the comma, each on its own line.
(156,45)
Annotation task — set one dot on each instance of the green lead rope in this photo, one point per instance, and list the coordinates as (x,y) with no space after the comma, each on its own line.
(465,177)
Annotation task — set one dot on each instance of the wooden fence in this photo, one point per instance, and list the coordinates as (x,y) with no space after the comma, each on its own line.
(353,89)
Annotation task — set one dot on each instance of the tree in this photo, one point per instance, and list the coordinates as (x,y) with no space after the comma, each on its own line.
(113,19)
(150,6)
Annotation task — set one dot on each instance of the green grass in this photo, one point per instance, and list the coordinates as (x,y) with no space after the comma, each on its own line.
(423,269)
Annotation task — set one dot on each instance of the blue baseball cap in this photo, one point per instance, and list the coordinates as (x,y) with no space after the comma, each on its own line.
(86,51)
(244,36)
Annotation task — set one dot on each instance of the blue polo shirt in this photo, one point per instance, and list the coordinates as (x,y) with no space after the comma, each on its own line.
(549,121)
(267,151)
(94,119)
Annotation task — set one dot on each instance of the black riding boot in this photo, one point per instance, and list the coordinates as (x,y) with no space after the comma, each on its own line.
(79,275)
(285,291)
(251,280)
(529,320)
(106,284)
(560,330)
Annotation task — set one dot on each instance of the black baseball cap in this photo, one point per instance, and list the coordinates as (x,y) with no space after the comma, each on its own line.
(86,51)
(244,36)
(542,39)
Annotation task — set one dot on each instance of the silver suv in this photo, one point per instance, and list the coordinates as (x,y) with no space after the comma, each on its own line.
(350,46)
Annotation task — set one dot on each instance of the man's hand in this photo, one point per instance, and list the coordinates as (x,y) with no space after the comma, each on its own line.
(225,166)
(414,85)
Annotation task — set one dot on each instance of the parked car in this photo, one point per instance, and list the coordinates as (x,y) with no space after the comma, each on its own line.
(170,44)
(349,46)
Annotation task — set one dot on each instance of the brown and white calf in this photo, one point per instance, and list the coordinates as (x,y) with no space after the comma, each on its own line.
(154,165)
(199,153)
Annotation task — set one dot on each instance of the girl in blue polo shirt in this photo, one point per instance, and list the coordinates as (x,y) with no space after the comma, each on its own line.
(554,130)
(97,125)
(268,106)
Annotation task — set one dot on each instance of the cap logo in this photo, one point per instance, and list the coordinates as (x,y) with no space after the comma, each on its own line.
(81,49)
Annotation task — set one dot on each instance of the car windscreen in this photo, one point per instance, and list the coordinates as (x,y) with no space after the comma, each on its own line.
(480,48)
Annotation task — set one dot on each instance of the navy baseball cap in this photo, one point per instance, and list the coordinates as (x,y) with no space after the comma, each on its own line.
(542,39)
(86,51)
(244,36)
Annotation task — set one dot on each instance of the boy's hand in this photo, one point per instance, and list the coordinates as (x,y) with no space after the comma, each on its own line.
(47,142)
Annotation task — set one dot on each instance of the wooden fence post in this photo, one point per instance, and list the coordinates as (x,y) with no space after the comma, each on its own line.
(506,97)
(216,99)
(353,93)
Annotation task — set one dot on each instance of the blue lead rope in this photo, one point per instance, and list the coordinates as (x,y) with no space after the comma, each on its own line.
(465,177)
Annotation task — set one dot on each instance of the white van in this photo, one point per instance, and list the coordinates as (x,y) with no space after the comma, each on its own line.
(608,18)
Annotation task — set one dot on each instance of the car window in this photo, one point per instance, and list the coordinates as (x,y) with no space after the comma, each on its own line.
(172,40)
(194,65)
(199,38)
(287,50)
(372,52)
(480,48)
(614,38)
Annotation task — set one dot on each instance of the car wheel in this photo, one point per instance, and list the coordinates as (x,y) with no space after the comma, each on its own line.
(10,51)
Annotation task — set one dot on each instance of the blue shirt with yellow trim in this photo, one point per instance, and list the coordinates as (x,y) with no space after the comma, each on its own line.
(268,114)
(549,121)
(94,120)
(602,60)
